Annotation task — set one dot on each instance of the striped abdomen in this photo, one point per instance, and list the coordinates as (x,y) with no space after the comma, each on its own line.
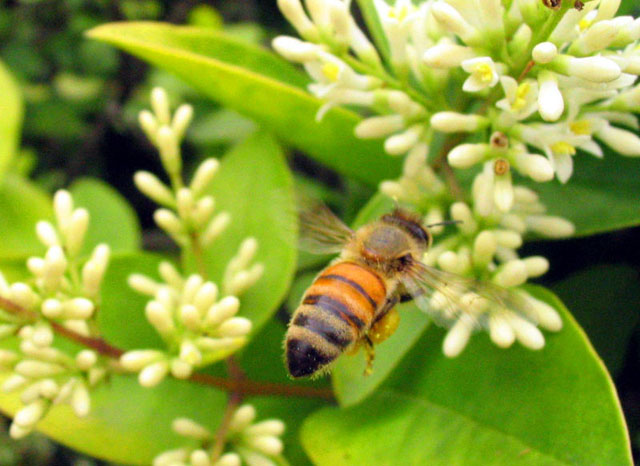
(336,311)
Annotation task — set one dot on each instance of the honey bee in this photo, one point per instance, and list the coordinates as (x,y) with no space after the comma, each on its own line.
(351,303)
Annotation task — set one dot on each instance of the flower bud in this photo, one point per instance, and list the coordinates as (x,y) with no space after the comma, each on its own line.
(536,265)
(153,374)
(513,273)
(550,101)
(160,105)
(235,327)
(544,52)
(181,120)
(466,155)
(153,188)
(137,359)
(188,428)
(379,126)
(596,69)
(457,338)
(47,234)
(453,122)
(293,11)
(204,175)
(241,419)
(500,331)
(399,144)
(549,226)
(446,54)
(526,333)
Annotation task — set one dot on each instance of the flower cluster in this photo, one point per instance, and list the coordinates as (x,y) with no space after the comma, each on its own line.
(186,210)
(549,79)
(507,88)
(256,444)
(65,293)
(197,324)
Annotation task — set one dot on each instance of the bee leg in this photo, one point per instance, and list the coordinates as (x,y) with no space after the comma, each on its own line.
(370,354)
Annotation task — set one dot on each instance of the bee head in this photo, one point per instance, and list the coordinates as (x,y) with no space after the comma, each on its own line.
(395,241)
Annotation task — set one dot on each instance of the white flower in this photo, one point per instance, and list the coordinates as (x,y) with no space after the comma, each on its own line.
(520,99)
(483,74)
(447,54)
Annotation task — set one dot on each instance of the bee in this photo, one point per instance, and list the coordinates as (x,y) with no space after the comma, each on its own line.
(351,303)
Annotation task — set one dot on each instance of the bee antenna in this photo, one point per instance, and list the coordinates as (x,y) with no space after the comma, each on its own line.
(446,222)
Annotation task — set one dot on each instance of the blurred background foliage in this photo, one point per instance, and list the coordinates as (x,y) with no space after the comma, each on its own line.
(81,103)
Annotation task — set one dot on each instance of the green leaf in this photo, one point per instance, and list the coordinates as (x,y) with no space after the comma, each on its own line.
(255,186)
(350,384)
(121,317)
(112,220)
(604,300)
(258,84)
(602,194)
(22,205)
(11,109)
(129,424)
(370,15)
(489,406)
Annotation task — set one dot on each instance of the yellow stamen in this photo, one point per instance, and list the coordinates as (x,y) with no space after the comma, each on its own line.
(399,13)
(521,96)
(584,23)
(563,148)
(484,72)
(331,71)
(581,127)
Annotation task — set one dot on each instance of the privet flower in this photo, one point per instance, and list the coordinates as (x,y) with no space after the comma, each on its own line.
(523,101)
(63,290)
(196,321)
(185,209)
(197,324)
(254,444)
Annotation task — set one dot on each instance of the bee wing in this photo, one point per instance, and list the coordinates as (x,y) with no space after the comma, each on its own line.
(447,297)
(321,232)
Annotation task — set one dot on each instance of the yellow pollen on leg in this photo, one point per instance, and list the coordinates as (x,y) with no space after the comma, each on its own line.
(581,127)
(484,72)
(331,71)
(563,148)
(385,327)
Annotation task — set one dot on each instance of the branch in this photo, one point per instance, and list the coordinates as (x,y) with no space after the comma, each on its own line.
(237,384)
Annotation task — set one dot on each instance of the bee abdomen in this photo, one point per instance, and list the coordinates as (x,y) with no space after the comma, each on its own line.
(335,312)
(315,338)
(350,291)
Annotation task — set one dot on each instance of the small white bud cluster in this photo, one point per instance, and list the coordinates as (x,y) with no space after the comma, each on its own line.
(253,443)
(47,376)
(185,209)
(63,291)
(166,131)
(485,248)
(240,275)
(190,316)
